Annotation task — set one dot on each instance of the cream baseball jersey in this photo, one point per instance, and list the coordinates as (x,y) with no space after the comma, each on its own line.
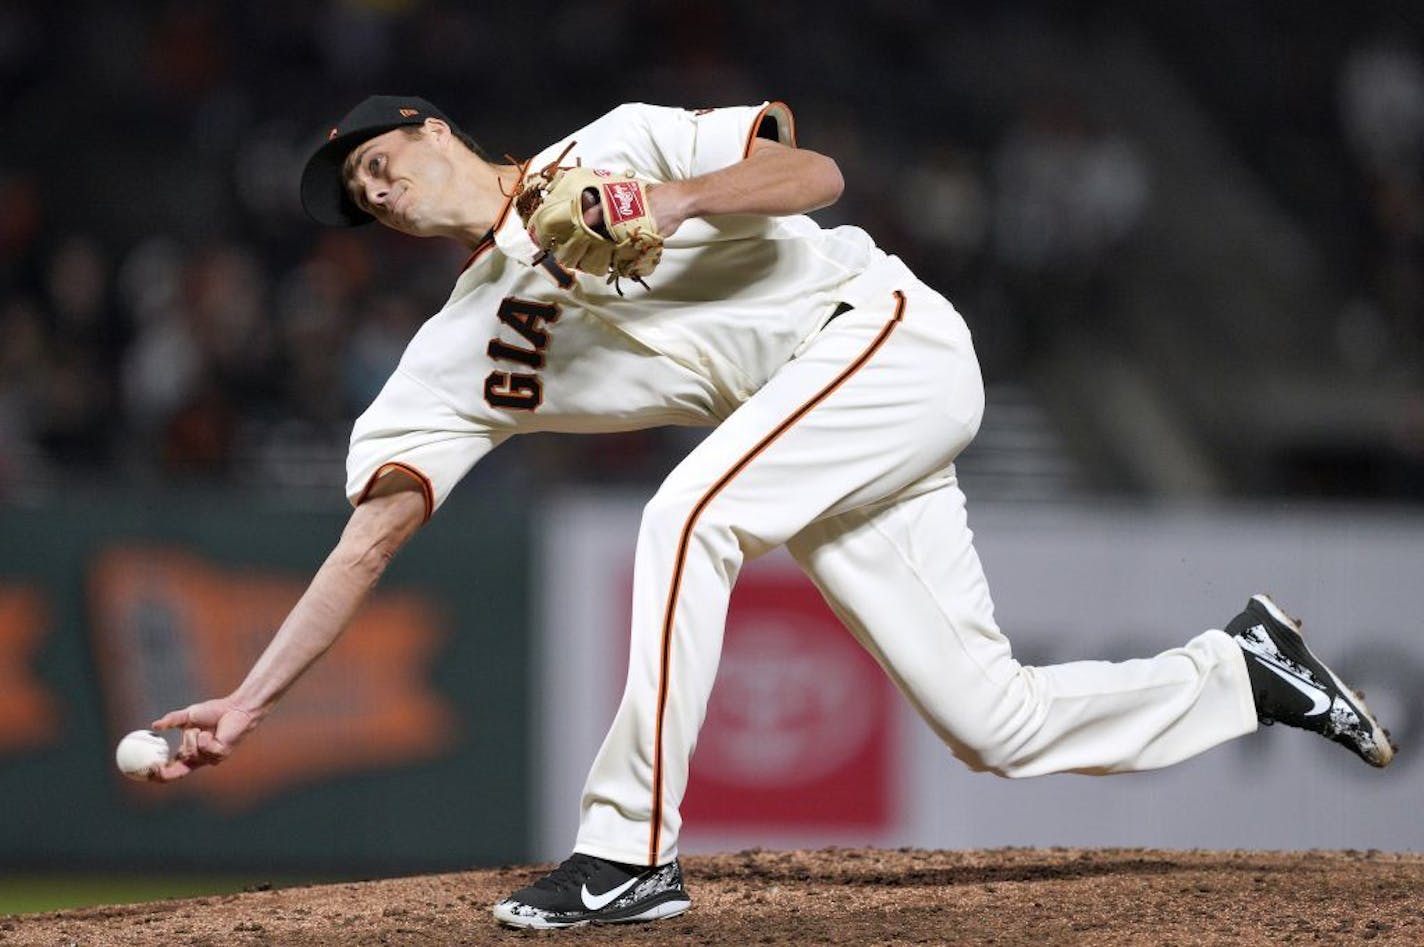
(523,345)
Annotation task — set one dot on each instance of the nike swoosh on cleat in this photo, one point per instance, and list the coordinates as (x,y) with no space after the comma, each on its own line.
(595,901)
(1320,701)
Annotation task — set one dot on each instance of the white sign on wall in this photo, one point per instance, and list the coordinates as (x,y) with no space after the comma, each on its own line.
(1068,584)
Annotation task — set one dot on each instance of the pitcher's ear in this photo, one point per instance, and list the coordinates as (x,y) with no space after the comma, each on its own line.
(436,129)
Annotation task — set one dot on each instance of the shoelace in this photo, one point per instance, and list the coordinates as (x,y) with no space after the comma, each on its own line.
(575,870)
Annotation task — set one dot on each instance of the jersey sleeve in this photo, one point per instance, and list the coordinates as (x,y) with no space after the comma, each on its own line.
(672,143)
(411,429)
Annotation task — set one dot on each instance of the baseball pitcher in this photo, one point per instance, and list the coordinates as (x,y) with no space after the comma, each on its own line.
(656,267)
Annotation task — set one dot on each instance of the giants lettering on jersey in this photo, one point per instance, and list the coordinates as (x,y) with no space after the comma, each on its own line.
(520,391)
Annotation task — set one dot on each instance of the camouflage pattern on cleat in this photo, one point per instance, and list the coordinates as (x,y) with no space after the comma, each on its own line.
(1294,687)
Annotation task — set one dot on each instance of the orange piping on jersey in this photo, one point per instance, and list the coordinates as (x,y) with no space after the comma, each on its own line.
(426,487)
(488,240)
(484,245)
(785,124)
(685,539)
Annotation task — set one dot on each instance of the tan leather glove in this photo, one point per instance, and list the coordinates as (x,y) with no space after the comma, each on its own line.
(551,204)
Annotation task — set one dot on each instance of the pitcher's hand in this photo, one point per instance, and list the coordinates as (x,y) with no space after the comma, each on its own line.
(211,730)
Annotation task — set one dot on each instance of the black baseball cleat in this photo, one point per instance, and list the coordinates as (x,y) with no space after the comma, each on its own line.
(586,890)
(1294,687)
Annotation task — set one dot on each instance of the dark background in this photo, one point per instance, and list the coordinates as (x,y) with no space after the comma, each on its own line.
(1187,235)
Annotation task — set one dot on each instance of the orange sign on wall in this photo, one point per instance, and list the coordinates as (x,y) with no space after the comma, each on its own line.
(28,712)
(171,629)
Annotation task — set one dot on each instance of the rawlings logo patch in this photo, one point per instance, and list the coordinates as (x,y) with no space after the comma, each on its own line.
(623,200)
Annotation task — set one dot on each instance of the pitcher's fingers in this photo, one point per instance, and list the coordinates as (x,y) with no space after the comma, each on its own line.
(211,749)
(188,746)
(174,718)
(176,769)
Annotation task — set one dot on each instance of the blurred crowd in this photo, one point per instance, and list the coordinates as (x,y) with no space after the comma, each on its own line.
(167,313)
(1326,104)
(1381,102)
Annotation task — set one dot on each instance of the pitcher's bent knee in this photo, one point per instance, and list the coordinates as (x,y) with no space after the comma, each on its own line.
(1002,741)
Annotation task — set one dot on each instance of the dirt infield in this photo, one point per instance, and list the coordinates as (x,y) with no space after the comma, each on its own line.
(837,896)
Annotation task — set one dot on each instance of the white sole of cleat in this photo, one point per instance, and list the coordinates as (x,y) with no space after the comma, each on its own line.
(655,912)
(658,911)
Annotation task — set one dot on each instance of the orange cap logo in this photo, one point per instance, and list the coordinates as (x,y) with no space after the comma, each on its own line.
(407,113)
(331,134)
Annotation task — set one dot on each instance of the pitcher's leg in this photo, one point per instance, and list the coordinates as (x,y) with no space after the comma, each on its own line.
(906,580)
(678,612)
(872,406)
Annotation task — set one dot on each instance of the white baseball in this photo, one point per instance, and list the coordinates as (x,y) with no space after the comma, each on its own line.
(141,752)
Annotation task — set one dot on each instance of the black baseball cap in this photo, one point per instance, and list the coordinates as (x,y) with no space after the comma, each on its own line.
(324,196)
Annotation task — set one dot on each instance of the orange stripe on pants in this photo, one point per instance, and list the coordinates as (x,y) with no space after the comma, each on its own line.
(685,538)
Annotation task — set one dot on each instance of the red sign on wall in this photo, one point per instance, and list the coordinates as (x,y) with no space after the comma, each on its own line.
(798,732)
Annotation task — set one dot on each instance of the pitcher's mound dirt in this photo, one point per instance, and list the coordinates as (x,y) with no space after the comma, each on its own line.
(836,896)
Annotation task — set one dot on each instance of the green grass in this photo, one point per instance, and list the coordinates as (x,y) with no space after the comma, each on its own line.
(57,892)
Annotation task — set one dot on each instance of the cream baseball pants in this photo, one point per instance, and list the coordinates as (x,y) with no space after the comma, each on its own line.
(846,456)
